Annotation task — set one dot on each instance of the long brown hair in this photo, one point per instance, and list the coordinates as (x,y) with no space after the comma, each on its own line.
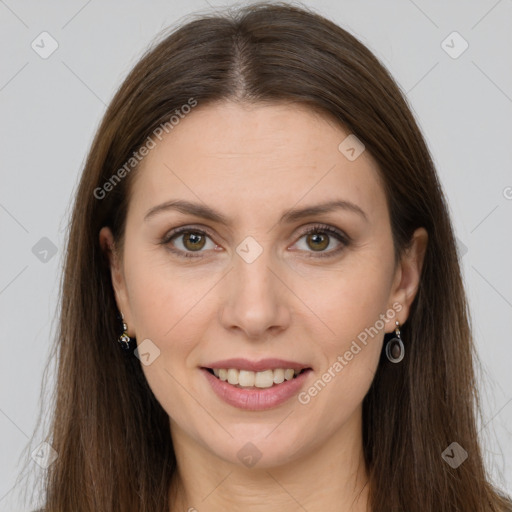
(111,435)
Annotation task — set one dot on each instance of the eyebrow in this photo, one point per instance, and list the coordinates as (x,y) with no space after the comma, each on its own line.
(289,216)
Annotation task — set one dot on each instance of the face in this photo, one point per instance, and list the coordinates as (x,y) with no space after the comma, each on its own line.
(264,280)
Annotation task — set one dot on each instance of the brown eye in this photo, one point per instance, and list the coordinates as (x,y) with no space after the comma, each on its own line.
(193,241)
(317,241)
(186,241)
(318,238)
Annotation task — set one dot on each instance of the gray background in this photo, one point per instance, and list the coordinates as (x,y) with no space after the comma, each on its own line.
(50,109)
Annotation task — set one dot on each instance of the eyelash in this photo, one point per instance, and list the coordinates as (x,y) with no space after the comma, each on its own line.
(319,228)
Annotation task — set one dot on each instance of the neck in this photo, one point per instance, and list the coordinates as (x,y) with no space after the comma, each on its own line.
(330,476)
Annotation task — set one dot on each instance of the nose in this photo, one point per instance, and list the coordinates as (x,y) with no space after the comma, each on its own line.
(256,298)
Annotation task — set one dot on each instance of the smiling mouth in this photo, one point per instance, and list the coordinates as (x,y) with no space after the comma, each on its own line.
(250,379)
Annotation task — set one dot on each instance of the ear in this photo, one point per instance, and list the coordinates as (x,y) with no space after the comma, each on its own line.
(407,277)
(108,246)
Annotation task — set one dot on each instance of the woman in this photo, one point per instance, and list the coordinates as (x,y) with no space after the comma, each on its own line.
(261,210)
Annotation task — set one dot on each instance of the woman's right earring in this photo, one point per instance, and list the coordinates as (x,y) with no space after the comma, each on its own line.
(395,349)
(124,339)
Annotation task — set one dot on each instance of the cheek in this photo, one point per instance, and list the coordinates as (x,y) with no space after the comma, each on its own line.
(350,298)
(351,304)
(350,356)
(173,309)
(170,310)
(162,299)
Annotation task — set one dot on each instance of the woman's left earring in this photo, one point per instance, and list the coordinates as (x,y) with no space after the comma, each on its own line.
(395,349)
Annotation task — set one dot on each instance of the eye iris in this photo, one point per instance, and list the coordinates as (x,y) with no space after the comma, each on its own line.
(315,237)
(195,239)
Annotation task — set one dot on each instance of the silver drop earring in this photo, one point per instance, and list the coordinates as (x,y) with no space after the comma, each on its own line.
(395,349)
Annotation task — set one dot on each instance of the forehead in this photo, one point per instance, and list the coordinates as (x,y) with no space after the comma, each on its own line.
(249,160)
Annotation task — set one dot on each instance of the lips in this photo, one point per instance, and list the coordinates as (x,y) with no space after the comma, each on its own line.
(232,381)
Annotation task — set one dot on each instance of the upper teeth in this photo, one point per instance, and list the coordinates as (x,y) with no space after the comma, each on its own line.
(246,378)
